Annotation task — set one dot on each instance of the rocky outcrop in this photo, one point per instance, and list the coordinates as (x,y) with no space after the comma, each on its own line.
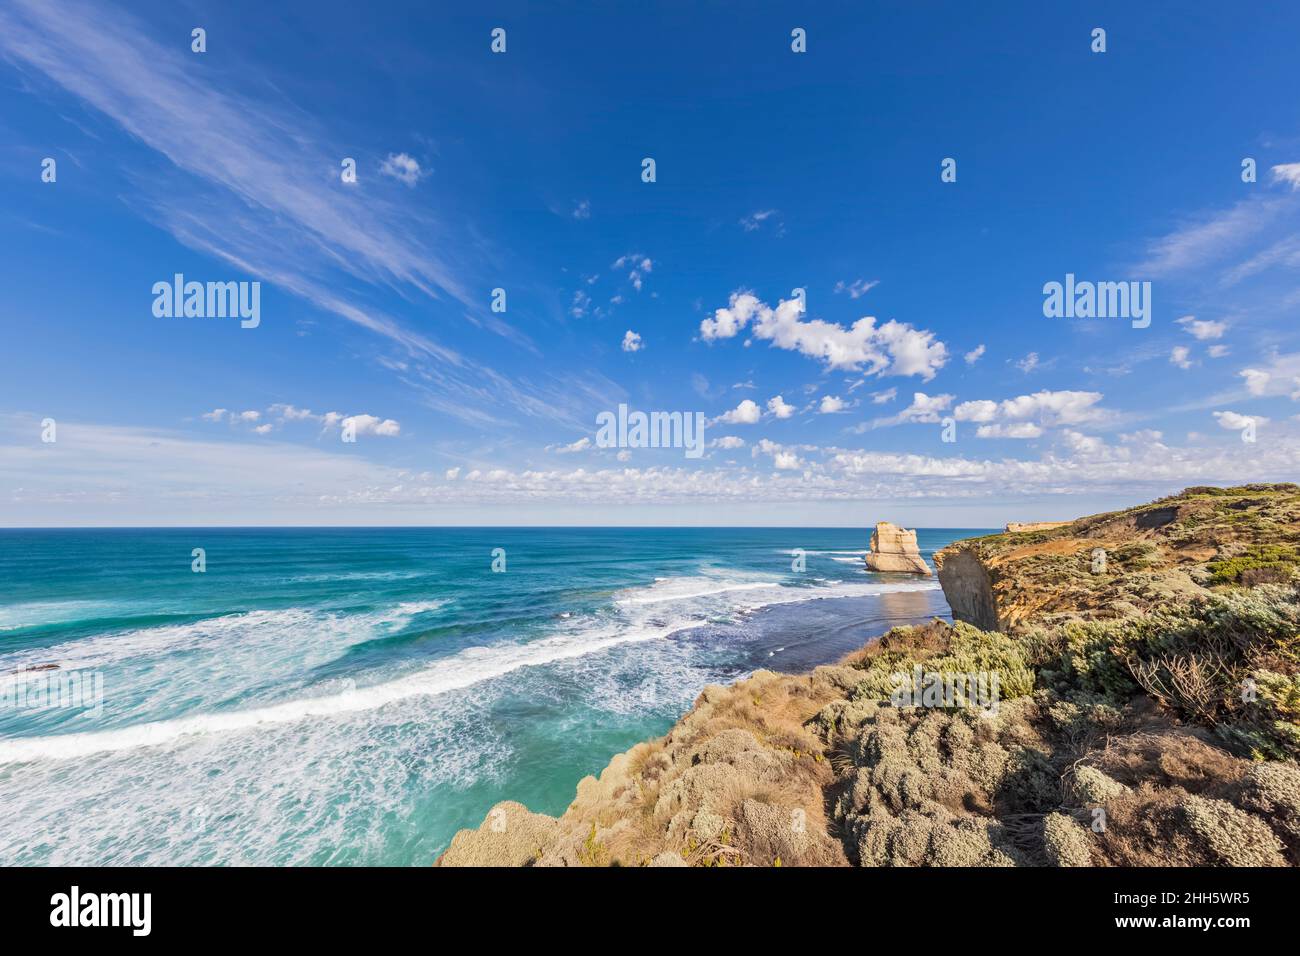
(894,549)
(1016,527)
(740,779)
(1121,692)
(1123,563)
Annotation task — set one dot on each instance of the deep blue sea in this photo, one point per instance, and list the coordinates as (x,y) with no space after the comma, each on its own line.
(355,696)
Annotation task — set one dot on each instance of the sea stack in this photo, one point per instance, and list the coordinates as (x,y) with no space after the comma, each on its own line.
(894,549)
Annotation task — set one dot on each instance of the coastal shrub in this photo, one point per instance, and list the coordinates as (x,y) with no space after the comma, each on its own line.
(1065,841)
(1091,787)
(1275,561)
(1231,836)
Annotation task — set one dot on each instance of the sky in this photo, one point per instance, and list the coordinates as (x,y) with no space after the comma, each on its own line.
(921,171)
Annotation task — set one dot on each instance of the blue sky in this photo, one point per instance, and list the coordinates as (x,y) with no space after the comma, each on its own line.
(775,170)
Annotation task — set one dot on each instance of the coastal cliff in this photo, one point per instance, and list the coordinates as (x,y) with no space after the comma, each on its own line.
(1146,669)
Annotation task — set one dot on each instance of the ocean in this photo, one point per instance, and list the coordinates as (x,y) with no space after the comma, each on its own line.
(353,696)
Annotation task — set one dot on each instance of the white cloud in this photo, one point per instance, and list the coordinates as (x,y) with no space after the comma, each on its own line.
(1148,436)
(1179,356)
(216,415)
(786,461)
(974,355)
(1256,380)
(1202,329)
(830,404)
(582,210)
(880,398)
(291,413)
(249,416)
(746,413)
(728,441)
(779,407)
(1217,351)
(1287,173)
(894,348)
(264,429)
(372,425)
(403,168)
(1236,421)
(1012,430)
(1047,407)
(1081,444)
(755,220)
(924,408)
(115,474)
(1028,363)
(1207,239)
(631,341)
(857,288)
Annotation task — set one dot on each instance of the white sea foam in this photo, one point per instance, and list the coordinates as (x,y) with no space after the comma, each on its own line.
(231,633)
(468,667)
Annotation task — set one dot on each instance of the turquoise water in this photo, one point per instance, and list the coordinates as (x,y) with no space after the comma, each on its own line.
(355,696)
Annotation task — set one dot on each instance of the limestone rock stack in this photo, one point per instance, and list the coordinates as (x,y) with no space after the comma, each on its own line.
(894,549)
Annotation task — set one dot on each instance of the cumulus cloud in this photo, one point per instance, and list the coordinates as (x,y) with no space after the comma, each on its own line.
(924,408)
(1179,356)
(1010,430)
(582,444)
(631,341)
(1217,351)
(893,348)
(830,404)
(880,398)
(974,355)
(1082,444)
(582,210)
(1202,329)
(1287,173)
(728,441)
(372,425)
(403,168)
(1256,380)
(746,413)
(1046,407)
(779,407)
(1236,421)
(639,265)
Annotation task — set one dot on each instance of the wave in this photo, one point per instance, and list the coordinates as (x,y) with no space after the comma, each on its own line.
(468,667)
(270,626)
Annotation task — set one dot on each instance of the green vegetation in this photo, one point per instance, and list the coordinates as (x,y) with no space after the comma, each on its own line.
(1258,564)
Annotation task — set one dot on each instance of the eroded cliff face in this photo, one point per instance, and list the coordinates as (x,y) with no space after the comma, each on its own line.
(1122,563)
(967,587)
(1120,690)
